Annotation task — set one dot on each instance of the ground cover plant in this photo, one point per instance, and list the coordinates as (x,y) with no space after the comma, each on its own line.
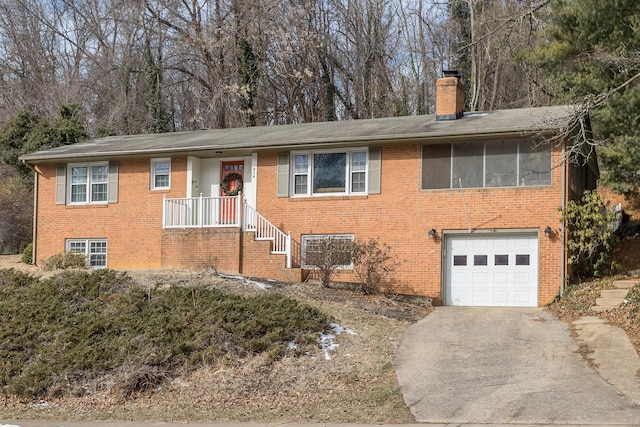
(349,378)
(71,332)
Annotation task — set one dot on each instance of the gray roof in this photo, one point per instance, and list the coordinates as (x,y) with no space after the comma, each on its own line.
(423,128)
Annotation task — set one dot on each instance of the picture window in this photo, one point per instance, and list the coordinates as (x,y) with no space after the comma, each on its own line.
(329,173)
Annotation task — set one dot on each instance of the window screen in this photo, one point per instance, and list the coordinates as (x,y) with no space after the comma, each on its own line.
(467,165)
(501,164)
(535,164)
(436,166)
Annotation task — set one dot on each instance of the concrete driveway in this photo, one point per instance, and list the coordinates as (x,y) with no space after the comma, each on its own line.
(503,365)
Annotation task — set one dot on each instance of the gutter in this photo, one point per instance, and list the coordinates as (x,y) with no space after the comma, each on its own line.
(35,211)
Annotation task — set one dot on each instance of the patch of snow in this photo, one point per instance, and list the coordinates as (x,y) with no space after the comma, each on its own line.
(246,281)
(181,383)
(290,346)
(41,404)
(8,425)
(327,342)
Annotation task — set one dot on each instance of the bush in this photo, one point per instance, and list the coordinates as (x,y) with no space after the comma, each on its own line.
(590,235)
(328,254)
(16,215)
(27,254)
(374,265)
(64,260)
(91,326)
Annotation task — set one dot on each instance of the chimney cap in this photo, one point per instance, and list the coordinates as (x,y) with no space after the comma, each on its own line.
(451,73)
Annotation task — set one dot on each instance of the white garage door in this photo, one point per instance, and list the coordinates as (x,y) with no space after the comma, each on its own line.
(496,270)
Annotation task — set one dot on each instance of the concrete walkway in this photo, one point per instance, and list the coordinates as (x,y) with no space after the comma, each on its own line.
(504,365)
(230,424)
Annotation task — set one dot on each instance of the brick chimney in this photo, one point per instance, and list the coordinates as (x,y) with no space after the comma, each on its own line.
(449,96)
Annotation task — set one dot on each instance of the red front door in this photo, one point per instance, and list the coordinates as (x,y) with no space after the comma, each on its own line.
(231,184)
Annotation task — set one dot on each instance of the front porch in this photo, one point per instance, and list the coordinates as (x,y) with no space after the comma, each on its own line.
(231,216)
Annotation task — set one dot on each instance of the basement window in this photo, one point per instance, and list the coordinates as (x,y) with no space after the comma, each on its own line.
(322,249)
(94,250)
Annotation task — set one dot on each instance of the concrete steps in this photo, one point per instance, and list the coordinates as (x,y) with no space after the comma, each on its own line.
(611,298)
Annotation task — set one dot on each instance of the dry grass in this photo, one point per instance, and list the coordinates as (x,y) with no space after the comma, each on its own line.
(357,384)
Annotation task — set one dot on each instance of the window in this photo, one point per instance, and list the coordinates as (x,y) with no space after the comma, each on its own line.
(459,260)
(329,172)
(320,249)
(89,183)
(160,174)
(480,260)
(501,260)
(95,251)
(486,164)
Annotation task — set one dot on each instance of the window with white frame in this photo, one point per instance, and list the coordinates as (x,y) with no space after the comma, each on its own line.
(329,172)
(160,174)
(94,250)
(322,249)
(88,183)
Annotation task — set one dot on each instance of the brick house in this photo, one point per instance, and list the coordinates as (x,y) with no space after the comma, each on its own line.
(468,202)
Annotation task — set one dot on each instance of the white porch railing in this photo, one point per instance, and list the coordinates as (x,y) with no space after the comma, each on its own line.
(224,211)
(199,212)
(264,230)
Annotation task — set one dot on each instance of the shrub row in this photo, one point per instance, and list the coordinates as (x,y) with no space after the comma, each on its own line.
(82,325)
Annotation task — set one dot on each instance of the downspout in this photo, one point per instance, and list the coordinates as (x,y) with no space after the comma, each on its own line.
(563,263)
(35,212)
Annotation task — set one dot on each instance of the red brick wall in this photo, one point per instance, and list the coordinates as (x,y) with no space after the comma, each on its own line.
(258,261)
(132,226)
(400,216)
(403,213)
(449,97)
(197,248)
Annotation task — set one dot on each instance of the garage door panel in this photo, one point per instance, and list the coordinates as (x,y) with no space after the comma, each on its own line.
(501,297)
(461,298)
(522,278)
(479,279)
(479,297)
(523,297)
(480,245)
(501,244)
(459,278)
(501,277)
(500,270)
